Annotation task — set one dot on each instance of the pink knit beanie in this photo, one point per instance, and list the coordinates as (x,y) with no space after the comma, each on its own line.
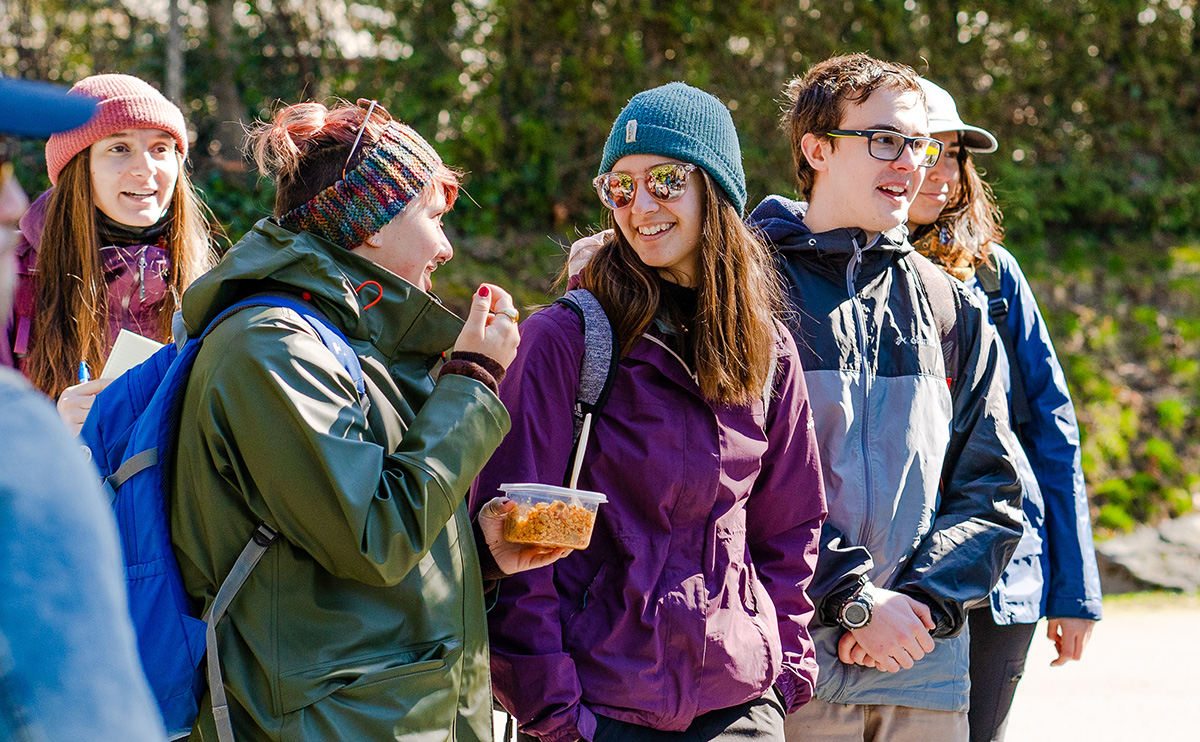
(125,103)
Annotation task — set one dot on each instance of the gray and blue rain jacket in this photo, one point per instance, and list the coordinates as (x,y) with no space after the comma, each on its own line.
(922,490)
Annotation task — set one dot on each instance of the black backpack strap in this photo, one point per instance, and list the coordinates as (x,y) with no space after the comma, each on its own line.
(988,276)
(599,366)
(945,304)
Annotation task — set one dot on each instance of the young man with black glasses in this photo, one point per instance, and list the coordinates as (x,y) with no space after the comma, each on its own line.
(69,667)
(911,419)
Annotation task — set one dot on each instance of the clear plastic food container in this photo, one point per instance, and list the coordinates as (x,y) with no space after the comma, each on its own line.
(555,517)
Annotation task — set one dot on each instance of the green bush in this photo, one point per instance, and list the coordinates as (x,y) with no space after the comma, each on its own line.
(1129,347)
(1096,106)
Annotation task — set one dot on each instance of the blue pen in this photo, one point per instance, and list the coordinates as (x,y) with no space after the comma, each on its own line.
(84,374)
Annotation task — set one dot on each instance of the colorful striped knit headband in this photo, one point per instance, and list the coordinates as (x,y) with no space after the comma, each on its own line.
(346,213)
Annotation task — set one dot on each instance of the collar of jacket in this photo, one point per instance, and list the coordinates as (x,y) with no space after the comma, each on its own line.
(272,257)
(782,221)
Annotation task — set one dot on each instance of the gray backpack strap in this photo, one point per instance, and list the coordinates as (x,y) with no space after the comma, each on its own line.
(769,387)
(262,539)
(132,465)
(988,276)
(944,303)
(599,366)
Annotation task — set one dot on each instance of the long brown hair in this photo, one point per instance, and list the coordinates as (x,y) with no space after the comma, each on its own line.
(739,298)
(71,306)
(960,239)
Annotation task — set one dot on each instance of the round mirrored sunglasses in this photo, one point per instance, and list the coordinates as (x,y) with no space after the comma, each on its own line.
(665,182)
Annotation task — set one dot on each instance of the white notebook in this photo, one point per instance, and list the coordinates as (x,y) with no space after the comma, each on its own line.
(129,350)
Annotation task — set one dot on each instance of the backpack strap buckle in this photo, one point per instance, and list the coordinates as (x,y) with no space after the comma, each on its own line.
(264,535)
(997,309)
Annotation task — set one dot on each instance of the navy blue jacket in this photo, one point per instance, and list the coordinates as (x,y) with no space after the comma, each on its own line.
(1053,572)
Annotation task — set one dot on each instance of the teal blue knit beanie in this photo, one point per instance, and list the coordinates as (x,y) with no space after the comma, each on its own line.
(686,123)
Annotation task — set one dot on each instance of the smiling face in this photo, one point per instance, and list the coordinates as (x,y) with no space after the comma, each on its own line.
(413,245)
(941,182)
(133,175)
(852,189)
(664,234)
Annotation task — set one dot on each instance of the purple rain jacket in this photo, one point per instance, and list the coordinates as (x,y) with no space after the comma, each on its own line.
(136,278)
(692,594)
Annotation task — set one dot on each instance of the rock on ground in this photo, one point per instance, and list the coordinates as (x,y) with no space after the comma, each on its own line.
(1162,558)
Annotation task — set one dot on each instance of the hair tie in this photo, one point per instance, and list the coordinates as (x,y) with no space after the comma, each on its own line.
(378,288)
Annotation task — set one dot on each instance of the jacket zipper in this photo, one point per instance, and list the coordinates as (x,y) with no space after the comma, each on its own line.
(142,274)
(668,627)
(856,307)
(851,274)
(675,355)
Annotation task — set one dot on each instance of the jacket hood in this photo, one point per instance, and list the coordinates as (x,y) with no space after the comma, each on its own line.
(273,258)
(781,220)
(32,224)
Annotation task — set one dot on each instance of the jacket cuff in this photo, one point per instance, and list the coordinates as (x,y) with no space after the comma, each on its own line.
(1089,608)
(475,366)
(487,563)
(584,728)
(831,604)
(944,624)
(585,723)
(793,696)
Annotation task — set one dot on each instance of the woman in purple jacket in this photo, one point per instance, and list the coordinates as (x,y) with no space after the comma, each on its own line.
(686,617)
(111,246)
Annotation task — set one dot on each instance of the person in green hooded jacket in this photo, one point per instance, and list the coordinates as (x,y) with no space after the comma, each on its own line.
(365,619)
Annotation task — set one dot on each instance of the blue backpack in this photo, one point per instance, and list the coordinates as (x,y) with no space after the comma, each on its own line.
(132,431)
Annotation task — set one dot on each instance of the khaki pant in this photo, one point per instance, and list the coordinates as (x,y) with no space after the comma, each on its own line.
(819,721)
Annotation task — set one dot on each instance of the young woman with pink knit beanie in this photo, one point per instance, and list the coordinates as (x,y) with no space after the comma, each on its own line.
(112,245)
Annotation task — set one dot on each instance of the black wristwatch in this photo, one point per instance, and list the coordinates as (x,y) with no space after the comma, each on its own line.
(855,612)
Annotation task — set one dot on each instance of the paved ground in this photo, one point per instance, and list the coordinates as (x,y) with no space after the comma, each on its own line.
(1138,680)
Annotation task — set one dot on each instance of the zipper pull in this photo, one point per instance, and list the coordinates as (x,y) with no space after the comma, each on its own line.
(142,274)
(852,268)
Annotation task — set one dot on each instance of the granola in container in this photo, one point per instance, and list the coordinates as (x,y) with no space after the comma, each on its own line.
(554,517)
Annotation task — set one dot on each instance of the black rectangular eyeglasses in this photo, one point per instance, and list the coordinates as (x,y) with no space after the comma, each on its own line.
(888,145)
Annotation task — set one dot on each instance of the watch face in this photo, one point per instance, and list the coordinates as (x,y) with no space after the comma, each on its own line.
(855,614)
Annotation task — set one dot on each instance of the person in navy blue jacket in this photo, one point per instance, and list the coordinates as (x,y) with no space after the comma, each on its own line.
(955,222)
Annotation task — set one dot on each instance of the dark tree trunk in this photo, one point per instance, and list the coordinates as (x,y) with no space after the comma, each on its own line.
(231,113)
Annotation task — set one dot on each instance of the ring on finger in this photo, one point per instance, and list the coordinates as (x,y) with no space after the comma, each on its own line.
(509,312)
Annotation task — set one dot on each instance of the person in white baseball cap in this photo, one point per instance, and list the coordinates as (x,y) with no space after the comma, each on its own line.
(954,221)
(943,117)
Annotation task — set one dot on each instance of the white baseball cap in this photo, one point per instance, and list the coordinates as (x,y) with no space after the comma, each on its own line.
(943,117)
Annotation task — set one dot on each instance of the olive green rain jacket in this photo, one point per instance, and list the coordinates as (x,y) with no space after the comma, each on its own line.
(365,620)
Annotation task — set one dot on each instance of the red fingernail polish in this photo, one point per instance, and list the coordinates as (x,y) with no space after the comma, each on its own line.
(483,291)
